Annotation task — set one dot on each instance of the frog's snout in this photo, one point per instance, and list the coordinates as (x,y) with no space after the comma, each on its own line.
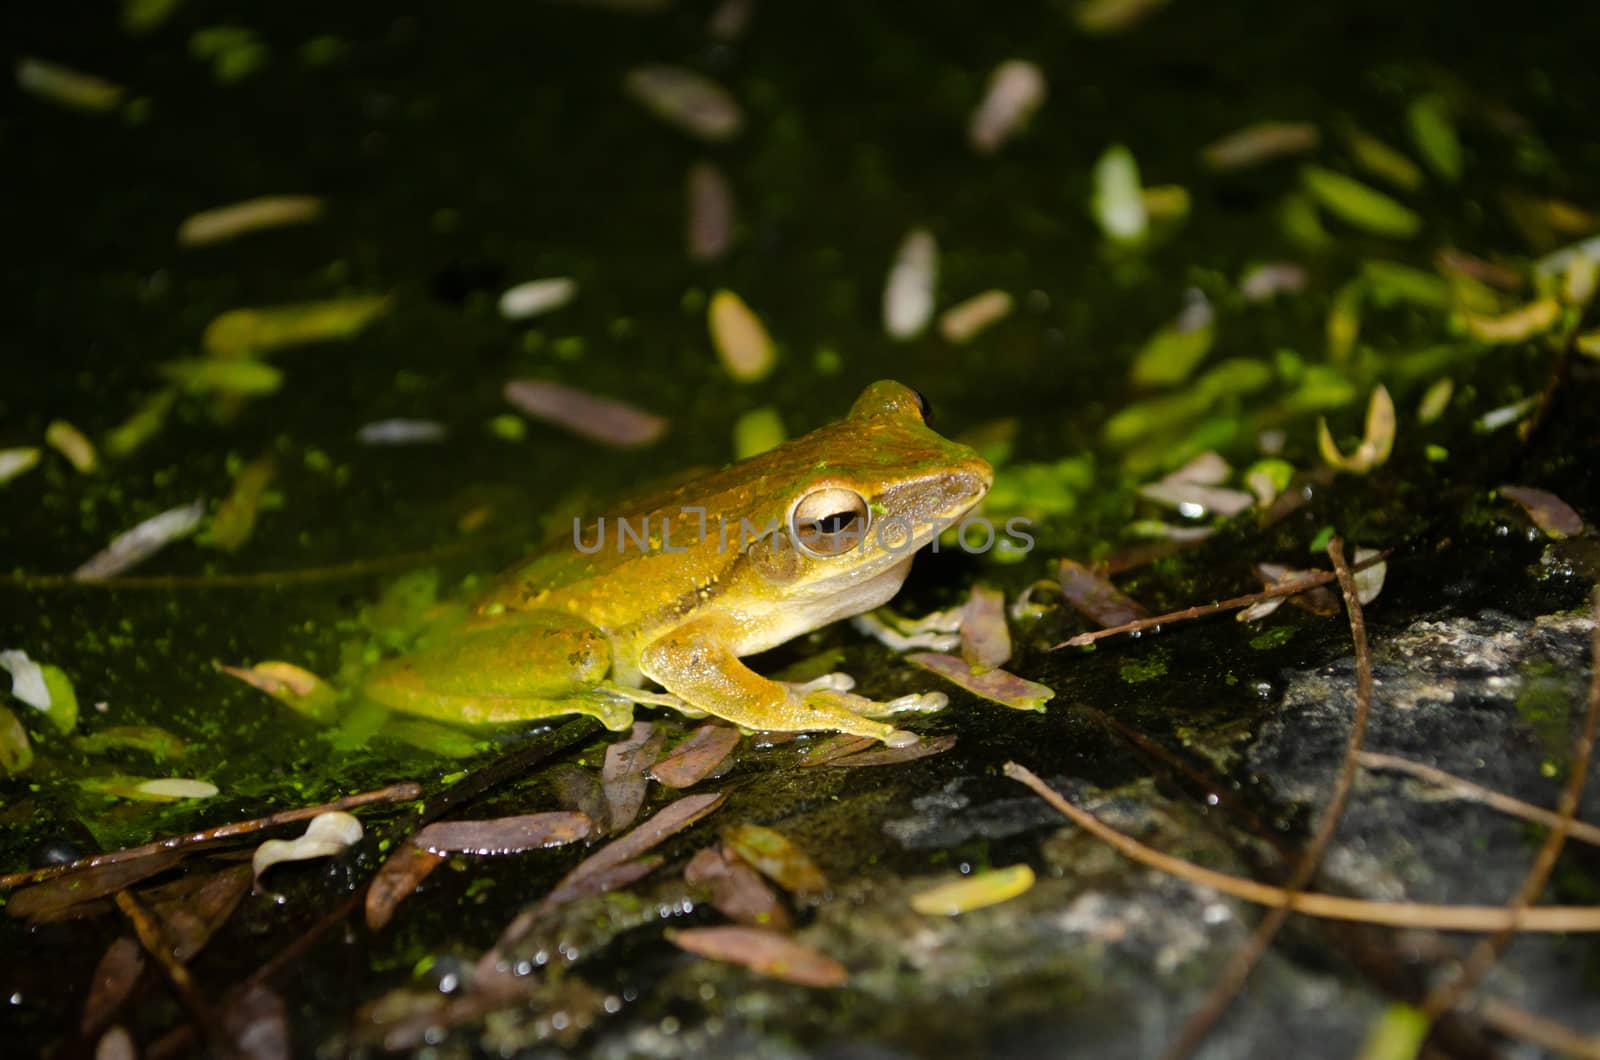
(970,481)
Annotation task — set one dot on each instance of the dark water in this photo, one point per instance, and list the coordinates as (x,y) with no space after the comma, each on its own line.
(461,149)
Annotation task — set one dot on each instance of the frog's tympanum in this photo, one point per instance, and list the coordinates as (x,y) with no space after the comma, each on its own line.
(678,587)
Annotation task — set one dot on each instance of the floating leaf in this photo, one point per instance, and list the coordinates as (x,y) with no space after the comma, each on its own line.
(737,891)
(66,86)
(176,788)
(296,688)
(997,686)
(396,879)
(586,415)
(148,739)
(710,212)
(70,442)
(1116,203)
(504,835)
(1359,205)
(1549,513)
(240,334)
(1435,401)
(985,640)
(327,834)
(894,756)
(625,775)
(776,857)
(401,432)
(16,753)
(252,215)
(1376,442)
(697,757)
(974,892)
(227,377)
(764,952)
(961,323)
(537,297)
(1519,325)
(146,421)
(43,687)
(16,461)
(908,293)
(1016,89)
(693,102)
(1101,18)
(1171,355)
(1260,143)
(1391,283)
(1382,161)
(757,431)
(235,519)
(1434,133)
(741,342)
(54,896)
(1093,596)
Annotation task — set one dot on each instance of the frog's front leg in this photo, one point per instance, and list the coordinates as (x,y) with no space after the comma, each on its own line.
(696,663)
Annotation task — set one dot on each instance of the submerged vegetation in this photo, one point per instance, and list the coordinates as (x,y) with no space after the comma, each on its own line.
(289,392)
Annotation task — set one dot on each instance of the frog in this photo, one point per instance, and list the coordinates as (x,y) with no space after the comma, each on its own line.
(674,589)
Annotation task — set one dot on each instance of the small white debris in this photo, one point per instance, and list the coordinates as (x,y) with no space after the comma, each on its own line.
(401,432)
(1116,202)
(1263,282)
(1016,89)
(143,541)
(326,835)
(908,294)
(693,102)
(537,297)
(27,679)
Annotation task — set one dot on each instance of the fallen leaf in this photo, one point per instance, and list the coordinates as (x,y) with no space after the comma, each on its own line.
(504,835)
(737,890)
(66,86)
(1549,513)
(697,757)
(893,756)
(252,215)
(625,774)
(688,100)
(537,297)
(1016,89)
(908,293)
(834,748)
(710,210)
(242,334)
(1093,596)
(985,639)
(740,339)
(961,323)
(586,415)
(1358,204)
(764,952)
(1260,143)
(997,686)
(114,978)
(974,892)
(53,896)
(401,873)
(295,687)
(776,857)
(70,442)
(1377,442)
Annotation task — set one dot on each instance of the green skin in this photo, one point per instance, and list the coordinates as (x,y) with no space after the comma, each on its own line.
(581,626)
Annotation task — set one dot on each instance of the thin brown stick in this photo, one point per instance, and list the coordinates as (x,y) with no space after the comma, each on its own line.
(1248,955)
(1517,1022)
(1465,789)
(1446,996)
(393,793)
(1544,918)
(1288,588)
(154,941)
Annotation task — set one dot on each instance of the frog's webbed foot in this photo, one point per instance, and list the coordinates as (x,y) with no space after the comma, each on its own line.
(838,685)
(834,682)
(915,703)
(933,632)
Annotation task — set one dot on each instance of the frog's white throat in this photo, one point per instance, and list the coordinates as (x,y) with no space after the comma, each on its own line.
(830,601)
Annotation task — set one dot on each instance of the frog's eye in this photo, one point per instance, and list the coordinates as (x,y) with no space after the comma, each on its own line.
(830,521)
(924,406)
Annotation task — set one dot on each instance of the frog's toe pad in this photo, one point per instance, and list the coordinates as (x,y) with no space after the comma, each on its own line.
(902,738)
(834,682)
(916,703)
